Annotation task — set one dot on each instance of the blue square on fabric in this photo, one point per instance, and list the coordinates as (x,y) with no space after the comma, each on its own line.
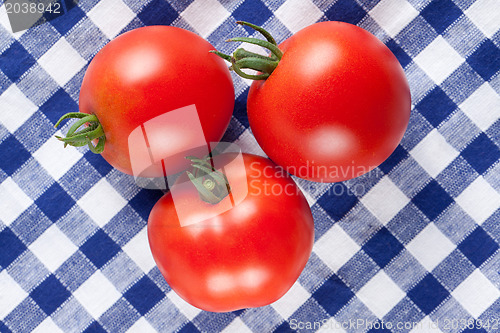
(100,248)
(440,14)
(346,11)
(144,201)
(338,202)
(144,295)
(428,294)
(253,11)
(397,156)
(10,247)
(75,271)
(124,225)
(98,162)
(30,313)
(206,321)
(57,105)
(436,106)
(383,247)
(478,246)
(30,224)
(358,271)
(158,12)
(240,109)
(284,328)
(189,328)
(403,58)
(333,295)
(453,270)
(67,21)
(432,200)
(4,328)
(16,152)
(121,314)
(55,202)
(95,327)
(481,153)
(15,61)
(50,294)
(474,330)
(485,60)
(57,11)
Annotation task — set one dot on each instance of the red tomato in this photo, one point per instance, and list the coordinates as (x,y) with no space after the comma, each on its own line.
(147,72)
(336,105)
(247,256)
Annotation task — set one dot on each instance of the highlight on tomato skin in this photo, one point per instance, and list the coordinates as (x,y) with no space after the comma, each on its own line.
(247,256)
(332,100)
(143,74)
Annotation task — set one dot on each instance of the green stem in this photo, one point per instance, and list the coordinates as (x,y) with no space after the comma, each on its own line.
(86,135)
(244,75)
(258,64)
(242,58)
(271,47)
(264,32)
(240,54)
(211,184)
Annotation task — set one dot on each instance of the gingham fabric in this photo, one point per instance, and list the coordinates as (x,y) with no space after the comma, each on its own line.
(414,243)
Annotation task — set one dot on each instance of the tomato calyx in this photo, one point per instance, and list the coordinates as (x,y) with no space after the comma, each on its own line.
(211,184)
(85,136)
(242,58)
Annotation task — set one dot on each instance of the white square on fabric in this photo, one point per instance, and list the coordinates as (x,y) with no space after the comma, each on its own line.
(102,202)
(298,14)
(184,307)
(16,108)
(483,106)
(384,200)
(476,293)
(62,62)
(139,251)
(479,200)
(335,247)
(434,153)
(111,16)
(426,325)
(393,15)
(291,301)
(439,60)
(247,143)
(14,201)
(52,248)
(11,294)
(205,16)
(56,159)
(430,247)
(142,326)
(47,325)
(380,294)
(97,294)
(485,14)
(237,325)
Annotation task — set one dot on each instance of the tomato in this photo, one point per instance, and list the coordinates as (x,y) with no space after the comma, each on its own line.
(247,256)
(336,105)
(146,73)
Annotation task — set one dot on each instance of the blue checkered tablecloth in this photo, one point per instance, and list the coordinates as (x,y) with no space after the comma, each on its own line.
(410,247)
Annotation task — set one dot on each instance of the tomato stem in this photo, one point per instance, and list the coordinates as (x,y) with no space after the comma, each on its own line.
(211,184)
(84,136)
(242,58)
